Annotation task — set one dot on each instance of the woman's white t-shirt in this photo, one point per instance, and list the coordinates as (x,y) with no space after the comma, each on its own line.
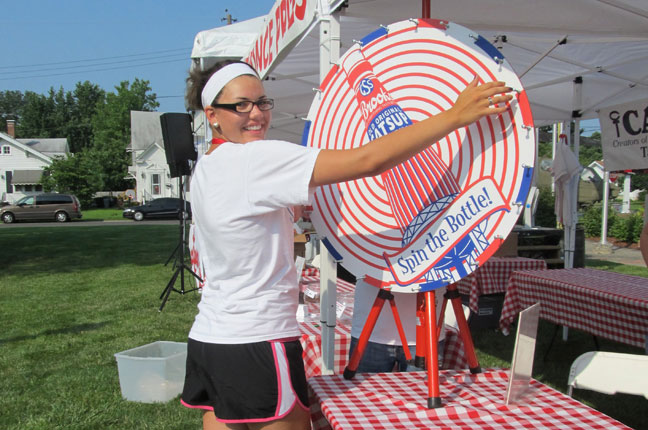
(242,197)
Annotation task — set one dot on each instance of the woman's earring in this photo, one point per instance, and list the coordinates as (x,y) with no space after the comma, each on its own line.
(215,124)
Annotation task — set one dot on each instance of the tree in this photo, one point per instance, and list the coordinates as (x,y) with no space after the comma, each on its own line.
(37,115)
(96,125)
(545,215)
(111,128)
(11,104)
(46,116)
(71,175)
(60,114)
(545,150)
(86,97)
(639,181)
(589,153)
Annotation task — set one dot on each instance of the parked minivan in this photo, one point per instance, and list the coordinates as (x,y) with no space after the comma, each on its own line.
(48,206)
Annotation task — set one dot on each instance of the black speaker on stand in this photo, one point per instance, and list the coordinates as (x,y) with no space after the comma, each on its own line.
(180,151)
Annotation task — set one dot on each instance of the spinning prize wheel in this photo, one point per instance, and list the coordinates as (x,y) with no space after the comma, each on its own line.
(437,217)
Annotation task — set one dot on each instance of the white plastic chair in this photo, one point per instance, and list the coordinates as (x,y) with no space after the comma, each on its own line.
(610,373)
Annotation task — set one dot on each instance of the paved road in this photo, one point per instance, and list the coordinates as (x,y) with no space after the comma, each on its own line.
(88,223)
(615,254)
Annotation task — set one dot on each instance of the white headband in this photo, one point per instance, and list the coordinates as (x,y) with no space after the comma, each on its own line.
(222,77)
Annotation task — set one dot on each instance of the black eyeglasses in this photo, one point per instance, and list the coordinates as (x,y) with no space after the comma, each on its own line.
(247,106)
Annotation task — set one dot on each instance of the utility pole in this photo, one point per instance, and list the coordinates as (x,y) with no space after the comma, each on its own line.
(228,18)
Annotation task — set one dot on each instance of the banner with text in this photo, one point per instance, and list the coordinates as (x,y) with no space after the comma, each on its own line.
(286,23)
(624,136)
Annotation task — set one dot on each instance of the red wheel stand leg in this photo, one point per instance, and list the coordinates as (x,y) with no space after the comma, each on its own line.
(421,340)
(434,395)
(354,361)
(453,295)
(399,327)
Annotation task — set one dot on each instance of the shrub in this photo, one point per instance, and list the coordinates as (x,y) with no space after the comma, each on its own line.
(628,227)
(545,215)
(623,227)
(638,226)
(592,220)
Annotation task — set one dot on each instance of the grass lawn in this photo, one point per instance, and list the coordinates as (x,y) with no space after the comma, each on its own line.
(72,297)
(103,214)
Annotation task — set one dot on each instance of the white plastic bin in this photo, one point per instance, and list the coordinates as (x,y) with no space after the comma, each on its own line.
(152,373)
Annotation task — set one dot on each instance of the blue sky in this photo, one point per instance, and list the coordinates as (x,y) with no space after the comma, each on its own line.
(57,43)
(49,43)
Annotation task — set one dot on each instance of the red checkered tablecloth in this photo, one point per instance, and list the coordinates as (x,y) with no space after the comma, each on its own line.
(454,354)
(311,341)
(605,304)
(310,271)
(399,401)
(493,276)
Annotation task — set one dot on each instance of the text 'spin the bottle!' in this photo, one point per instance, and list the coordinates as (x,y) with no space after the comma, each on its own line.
(418,189)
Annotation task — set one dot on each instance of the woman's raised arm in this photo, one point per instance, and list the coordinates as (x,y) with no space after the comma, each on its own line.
(381,154)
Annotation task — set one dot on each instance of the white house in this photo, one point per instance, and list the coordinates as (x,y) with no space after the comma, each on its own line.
(22,162)
(149,167)
(596,171)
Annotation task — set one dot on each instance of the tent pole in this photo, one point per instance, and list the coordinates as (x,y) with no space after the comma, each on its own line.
(425,9)
(606,196)
(528,214)
(206,130)
(554,142)
(559,42)
(573,208)
(625,207)
(328,300)
(534,180)
(329,55)
(577,112)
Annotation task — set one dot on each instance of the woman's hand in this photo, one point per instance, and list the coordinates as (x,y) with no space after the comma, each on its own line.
(477,101)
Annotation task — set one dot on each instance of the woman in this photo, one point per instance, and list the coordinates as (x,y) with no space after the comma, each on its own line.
(244,365)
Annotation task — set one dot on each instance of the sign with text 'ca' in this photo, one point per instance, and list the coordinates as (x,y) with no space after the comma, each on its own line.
(440,215)
(624,136)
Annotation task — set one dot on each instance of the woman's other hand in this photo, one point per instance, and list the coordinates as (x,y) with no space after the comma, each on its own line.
(477,101)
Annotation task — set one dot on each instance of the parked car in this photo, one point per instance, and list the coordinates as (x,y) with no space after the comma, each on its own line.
(47,206)
(166,207)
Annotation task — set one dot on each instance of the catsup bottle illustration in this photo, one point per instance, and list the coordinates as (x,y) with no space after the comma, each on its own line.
(420,189)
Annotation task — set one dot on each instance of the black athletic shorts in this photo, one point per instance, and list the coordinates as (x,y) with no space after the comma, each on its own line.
(253,382)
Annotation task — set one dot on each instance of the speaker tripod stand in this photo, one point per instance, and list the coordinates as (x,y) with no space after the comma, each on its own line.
(179,263)
(427,334)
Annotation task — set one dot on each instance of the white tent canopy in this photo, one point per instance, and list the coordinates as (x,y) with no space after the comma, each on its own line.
(604,43)
(228,41)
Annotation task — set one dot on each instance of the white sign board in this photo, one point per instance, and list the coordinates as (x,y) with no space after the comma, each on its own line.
(439,216)
(624,136)
(523,354)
